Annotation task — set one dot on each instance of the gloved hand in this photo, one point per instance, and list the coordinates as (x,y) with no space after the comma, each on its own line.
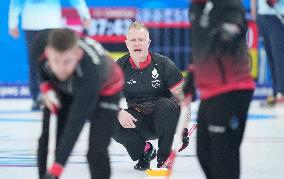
(225,39)
(185,139)
(54,171)
(271,3)
(50,97)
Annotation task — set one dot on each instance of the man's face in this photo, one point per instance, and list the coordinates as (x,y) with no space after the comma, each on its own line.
(63,64)
(138,43)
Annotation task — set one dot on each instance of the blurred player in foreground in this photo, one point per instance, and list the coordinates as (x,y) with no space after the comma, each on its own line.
(220,70)
(79,82)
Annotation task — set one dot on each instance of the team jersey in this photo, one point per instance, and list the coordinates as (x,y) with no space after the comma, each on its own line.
(96,72)
(41,14)
(218,73)
(96,75)
(152,81)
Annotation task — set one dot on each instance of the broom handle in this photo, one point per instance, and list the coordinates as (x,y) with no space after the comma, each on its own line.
(52,139)
(179,131)
(180,126)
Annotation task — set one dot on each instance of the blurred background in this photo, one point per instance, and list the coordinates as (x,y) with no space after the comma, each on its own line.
(167,21)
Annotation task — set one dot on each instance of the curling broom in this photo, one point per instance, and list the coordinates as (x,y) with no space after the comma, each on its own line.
(166,168)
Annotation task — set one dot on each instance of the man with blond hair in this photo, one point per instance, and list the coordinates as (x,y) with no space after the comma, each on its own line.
(153,90)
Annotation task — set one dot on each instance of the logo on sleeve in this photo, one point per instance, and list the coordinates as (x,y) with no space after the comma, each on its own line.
(155,83)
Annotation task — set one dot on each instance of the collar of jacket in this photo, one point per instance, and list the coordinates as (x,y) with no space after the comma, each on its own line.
(142,65)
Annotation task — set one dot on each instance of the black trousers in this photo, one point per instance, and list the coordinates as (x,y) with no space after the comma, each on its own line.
(221,123)
(160,124)
(35,43)
(272,31)
(101,128)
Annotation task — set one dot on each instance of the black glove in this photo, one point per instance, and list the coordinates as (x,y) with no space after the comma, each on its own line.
(185,139)
(49,176)
(225,39)
(271,3)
